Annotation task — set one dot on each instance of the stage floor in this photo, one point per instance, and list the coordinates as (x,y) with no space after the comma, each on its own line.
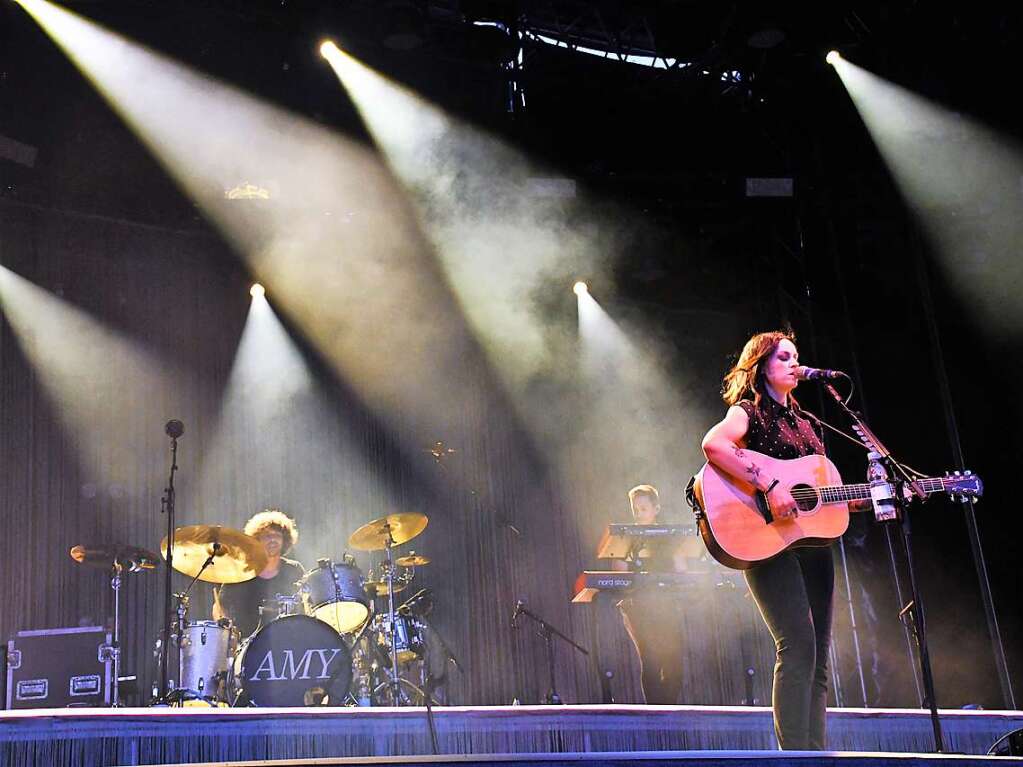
(521,734)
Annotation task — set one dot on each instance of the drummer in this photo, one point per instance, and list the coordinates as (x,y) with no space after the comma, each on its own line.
(254,603)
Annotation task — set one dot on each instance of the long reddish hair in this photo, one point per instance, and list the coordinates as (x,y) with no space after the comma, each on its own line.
(747,378)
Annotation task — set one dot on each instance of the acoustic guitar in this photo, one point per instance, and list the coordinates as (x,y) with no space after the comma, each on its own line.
(736,523)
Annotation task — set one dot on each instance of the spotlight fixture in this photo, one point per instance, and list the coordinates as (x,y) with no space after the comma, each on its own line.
(328,48)
(257,290)
(579,288)
(833,57)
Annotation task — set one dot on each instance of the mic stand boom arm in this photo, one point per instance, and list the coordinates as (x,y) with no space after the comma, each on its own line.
(915,608)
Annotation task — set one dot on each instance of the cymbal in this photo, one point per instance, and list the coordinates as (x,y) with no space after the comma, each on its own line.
(412,560)
(373,536)
(379,588)
(239,558)
(106,555)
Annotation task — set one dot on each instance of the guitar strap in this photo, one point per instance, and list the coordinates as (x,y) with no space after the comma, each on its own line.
(694,504)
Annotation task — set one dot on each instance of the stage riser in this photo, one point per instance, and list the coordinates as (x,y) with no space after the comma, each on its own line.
(66,753)
(161,736)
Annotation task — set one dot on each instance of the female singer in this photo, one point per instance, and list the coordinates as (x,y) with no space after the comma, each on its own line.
(793,590)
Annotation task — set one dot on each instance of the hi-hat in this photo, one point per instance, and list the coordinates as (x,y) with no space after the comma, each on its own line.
(379,588)
(239,557)
(412,560)
(107,555)
(392,530)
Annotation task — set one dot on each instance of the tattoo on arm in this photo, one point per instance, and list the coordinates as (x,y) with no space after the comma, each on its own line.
(751,468)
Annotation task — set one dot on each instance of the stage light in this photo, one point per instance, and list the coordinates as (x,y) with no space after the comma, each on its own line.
(257,290)
(833,57)
(580,288)
(329,48)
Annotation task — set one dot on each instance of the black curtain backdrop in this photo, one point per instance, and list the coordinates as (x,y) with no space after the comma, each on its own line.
(88,464)
(142,325)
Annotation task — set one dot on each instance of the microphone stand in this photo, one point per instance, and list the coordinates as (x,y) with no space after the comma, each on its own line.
(914,610)
(167,507)
(548,632)
(432,682)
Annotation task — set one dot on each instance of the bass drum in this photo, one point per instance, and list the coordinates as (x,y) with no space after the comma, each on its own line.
(294,661)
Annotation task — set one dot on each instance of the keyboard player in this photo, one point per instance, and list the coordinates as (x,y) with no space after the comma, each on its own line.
(652,618)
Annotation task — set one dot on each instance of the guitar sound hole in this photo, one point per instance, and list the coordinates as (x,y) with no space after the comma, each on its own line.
(805,497)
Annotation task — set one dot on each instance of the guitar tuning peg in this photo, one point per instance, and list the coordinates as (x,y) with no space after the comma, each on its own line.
(968,472)
(958,474)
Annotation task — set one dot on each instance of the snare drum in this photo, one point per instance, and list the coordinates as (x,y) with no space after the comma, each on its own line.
(206,649)
(334,593)
(294,661)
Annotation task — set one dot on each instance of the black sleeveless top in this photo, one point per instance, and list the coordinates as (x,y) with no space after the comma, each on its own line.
(242,601)
(781,431)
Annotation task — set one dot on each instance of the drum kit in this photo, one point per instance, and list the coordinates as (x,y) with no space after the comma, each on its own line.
(338,639)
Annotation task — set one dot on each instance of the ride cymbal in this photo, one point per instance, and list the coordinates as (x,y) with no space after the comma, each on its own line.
(392,530)
(239,557)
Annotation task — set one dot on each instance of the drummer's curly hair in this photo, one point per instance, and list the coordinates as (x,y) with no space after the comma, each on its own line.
(275,519)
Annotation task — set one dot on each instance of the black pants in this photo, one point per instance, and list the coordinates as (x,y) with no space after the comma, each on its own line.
(654,625)
(794,594)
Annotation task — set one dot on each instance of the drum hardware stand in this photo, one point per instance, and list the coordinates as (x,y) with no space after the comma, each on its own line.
(113,650)
(173,429)
(177,695)
(395,682)
(548,632)
(885,470)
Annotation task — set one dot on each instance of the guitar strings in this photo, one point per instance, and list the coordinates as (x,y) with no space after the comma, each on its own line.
(837,493)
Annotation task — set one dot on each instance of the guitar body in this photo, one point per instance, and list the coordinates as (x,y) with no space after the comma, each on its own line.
(736,524)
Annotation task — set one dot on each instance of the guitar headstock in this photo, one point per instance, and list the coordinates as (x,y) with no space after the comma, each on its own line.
(962,486)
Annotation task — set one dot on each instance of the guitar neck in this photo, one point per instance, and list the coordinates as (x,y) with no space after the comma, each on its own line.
(845,493)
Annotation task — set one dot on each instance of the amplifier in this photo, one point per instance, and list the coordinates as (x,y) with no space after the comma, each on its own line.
(60,668)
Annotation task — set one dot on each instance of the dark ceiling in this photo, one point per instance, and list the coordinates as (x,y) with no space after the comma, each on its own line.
(743,87)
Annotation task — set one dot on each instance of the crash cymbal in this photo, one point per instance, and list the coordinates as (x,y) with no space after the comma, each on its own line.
(379,588)
(412,560)
(239,558)
(106,555)
(373,536)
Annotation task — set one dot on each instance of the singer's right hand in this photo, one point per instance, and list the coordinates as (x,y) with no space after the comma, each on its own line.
(782,504)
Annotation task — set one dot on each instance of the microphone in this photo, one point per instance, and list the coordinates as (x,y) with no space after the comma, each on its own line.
(518,611)
(174,428)
(804,373)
